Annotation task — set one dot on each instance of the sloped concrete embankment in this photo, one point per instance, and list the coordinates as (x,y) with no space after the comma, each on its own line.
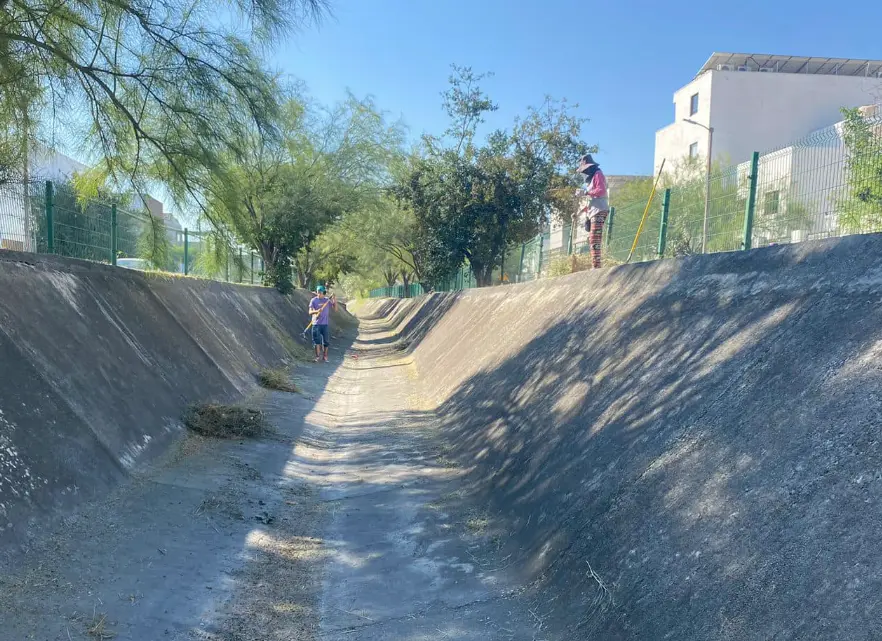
(97,365)
(680,450)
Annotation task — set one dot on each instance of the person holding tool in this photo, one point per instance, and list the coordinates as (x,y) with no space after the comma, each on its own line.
(319,309)
(598,205)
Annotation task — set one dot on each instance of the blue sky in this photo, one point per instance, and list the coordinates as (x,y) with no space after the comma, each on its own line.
(621,60)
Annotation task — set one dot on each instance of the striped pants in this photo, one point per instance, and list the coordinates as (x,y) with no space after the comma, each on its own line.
(595,234)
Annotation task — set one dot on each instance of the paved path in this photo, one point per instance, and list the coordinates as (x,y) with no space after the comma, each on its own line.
(348,524)
(408,557)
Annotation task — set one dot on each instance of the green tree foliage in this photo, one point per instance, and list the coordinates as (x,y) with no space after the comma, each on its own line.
(163,88)
(327,257)
(280,196)
(470,200)
(391,234)
(82,227)
(632,191)
(688,183)
(153,243)
(860,210)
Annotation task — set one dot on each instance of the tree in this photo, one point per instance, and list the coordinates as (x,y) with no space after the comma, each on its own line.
(82,226)
(278,197)
(153,244)
(471,201)
(325,258)
(163,88)
(391,228)
(632,191)
(860,210)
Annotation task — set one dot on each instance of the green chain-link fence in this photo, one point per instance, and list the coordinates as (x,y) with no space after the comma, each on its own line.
(20,202)
(49,217)
(826,185)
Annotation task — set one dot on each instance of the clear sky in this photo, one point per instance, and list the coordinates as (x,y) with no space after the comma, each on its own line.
(621,60)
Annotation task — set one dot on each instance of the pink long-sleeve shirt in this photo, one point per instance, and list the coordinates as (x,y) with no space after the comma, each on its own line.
(598,186)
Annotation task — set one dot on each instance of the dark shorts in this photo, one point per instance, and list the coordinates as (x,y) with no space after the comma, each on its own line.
(321,335)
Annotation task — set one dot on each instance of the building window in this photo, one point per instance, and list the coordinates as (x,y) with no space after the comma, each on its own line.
(693,104)
(771,202)
(693,150)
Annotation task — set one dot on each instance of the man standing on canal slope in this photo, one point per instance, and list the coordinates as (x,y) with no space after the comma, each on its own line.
(320,310)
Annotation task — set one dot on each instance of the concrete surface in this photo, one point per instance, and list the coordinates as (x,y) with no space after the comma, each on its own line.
(408,556)
(680,450)
(215,541)
(348,522)
(98,364)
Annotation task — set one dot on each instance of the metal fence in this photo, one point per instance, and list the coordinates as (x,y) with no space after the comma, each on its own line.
(398,291)
(826,185)
(48,217)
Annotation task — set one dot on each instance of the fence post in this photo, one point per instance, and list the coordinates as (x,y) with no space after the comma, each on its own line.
(521,264)
(252,268)
(663,228)
(114,233)
(609,224)
(241,267)
(539,262)
(186,252)
(750,208)
(50,217)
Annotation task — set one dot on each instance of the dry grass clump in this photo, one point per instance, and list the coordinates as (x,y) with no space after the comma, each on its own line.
(97,628)
(225,421)
(276,379)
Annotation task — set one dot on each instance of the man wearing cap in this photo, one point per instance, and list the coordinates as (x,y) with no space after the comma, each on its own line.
(320,310)
(598,205)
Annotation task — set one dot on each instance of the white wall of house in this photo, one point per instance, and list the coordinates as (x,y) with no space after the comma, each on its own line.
(799,188)
(752,111)
(17,227)
(673,142)
(46,164)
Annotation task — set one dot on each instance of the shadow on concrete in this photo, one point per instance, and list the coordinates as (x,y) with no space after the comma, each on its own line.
(410,320)
(190,550)
(702,466)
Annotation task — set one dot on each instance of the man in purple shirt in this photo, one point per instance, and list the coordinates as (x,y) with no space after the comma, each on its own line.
(320,310)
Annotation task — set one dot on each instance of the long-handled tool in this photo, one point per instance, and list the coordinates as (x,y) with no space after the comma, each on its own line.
(646,211)
(314,316)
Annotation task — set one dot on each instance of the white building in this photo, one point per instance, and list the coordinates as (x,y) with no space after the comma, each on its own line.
(47,164)
(800,187)
(758,102)
(17,227)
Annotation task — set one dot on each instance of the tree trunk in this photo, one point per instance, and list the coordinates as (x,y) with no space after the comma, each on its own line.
(488,276)
(405,278)
(483,273)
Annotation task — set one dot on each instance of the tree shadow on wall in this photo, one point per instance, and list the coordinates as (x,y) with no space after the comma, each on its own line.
(701,468)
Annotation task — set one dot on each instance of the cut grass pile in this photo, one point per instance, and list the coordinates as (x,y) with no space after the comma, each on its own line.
(276,379)
(225,421)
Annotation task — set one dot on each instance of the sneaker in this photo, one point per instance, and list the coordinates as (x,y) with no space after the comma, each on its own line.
(326,359)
